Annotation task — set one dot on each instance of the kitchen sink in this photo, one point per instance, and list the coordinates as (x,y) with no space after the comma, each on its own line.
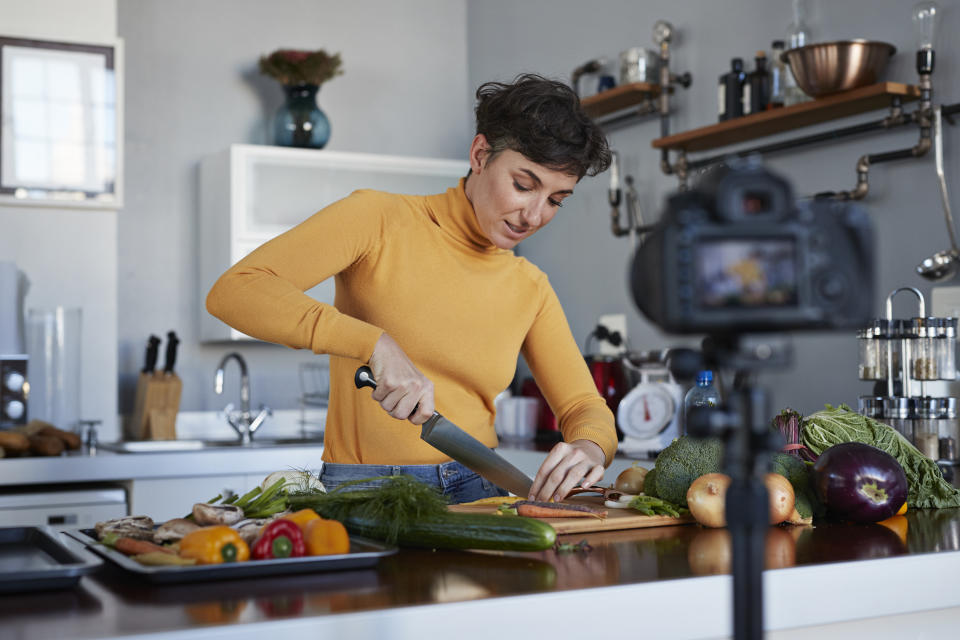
(179,446)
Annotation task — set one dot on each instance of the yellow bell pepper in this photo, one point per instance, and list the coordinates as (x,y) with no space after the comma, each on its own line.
(326,537)
(214,545)
(302,518)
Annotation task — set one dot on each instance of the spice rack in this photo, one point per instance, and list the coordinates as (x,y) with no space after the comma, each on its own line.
(913,351)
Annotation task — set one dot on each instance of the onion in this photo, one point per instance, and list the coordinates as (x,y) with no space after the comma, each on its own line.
(706,499)
(631,479)
(860,483)
(782,498)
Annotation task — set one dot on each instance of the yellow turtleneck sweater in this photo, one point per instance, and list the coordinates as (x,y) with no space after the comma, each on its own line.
(419,268)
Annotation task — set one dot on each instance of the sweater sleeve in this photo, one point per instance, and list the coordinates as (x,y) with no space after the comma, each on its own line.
(562,375)
(263,295)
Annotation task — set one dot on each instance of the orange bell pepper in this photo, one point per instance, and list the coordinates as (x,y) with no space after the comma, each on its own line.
(326,537)
(302,518)
(214,545)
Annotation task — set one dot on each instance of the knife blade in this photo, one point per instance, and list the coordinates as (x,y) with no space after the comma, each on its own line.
(150,361)
(171,355)
(453,441)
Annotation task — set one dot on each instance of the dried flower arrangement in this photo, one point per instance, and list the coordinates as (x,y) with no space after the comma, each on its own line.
(294,67)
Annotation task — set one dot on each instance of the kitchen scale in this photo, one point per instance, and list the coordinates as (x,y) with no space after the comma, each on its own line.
(649,414)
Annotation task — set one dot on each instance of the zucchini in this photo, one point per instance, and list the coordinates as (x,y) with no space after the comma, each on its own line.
(462,531)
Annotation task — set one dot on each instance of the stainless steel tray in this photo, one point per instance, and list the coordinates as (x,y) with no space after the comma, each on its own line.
(363,553)
(37,558)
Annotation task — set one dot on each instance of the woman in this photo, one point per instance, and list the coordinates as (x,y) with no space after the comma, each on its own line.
(430,294)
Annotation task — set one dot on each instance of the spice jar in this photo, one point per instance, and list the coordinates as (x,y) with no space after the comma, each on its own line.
(946,347)
(949,429)
(898,413)
(877,344)
(923,336)
(926,427)
(869,355)
(871,406)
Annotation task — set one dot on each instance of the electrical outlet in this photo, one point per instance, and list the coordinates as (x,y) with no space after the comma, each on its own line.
(614,323)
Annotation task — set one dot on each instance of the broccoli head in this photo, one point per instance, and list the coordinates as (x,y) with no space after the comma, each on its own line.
(682,462)
(798,473)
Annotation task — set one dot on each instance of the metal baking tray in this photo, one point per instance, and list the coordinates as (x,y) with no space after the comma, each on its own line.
(37,558)
(363,553)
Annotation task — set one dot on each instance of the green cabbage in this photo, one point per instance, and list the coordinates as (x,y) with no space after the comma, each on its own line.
(926,487)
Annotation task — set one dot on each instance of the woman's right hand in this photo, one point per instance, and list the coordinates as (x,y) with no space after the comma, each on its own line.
(402,391)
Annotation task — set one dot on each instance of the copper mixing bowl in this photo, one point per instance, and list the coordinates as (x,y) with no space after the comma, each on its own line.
(831,67)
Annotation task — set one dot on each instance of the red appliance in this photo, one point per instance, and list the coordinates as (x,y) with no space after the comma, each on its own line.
(611,381)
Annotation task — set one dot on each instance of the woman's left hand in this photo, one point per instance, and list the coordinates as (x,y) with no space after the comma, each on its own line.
(567,464)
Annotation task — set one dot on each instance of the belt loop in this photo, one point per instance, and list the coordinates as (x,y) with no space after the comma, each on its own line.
(396,470)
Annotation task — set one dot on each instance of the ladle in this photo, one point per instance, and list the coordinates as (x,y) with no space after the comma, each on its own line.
(943,264)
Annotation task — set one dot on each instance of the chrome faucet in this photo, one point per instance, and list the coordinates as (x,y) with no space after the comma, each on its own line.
(242,423)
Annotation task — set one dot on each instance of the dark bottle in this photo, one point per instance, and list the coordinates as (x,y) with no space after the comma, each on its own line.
(756,90)
(729,91)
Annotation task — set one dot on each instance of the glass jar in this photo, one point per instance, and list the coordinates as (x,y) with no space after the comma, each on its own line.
(871,406)
(869,355)
(949,430)
(877,345)
(947,348)
(923,336)
(926,427)
(898,413)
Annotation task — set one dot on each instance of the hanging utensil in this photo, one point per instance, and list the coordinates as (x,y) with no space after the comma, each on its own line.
(943,264)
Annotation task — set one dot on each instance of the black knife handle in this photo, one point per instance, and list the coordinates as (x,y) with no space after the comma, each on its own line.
(171,356)
(153,345)
(364,378)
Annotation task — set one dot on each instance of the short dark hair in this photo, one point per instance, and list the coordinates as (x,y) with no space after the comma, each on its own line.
(543,120)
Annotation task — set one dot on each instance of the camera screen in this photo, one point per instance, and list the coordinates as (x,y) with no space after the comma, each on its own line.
(746,273)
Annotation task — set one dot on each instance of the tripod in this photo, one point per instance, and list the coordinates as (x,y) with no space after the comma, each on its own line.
(743,425)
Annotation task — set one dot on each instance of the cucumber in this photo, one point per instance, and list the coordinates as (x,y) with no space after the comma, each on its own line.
(463,531)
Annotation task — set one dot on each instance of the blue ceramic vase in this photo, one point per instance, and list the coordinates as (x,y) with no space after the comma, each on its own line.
(299,121)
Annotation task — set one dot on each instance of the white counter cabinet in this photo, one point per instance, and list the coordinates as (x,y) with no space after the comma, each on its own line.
(166,498)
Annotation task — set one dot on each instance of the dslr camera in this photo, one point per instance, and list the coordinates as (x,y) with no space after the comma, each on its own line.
(737,254)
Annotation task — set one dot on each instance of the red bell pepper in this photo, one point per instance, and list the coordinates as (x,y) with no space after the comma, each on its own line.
(279,539)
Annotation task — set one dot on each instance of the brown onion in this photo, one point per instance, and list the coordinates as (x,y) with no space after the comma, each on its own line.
(707,497)
(631,479)
(782,498)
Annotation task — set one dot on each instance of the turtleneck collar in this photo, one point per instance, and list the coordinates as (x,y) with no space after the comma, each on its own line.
(454,213)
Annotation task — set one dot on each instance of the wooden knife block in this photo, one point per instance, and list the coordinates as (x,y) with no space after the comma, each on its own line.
(155,407)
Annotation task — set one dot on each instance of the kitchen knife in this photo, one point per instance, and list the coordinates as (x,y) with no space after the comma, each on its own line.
(453,441)
(171,356)
(153,345)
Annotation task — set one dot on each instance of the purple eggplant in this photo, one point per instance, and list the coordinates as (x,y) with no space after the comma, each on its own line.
(859,483)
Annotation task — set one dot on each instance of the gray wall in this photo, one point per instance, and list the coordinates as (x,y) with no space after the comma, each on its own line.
(411,67)
(70,255)
(587,264)
(193,89)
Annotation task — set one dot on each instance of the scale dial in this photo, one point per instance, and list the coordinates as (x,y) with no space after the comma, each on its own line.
(646,410)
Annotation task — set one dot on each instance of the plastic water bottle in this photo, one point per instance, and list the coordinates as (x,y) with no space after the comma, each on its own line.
(703,394)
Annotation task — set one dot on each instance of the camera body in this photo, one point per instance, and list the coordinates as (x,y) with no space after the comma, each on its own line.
(737,254)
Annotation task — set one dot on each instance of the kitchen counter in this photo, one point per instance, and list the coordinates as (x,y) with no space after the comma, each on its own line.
(656,583)
(107,466)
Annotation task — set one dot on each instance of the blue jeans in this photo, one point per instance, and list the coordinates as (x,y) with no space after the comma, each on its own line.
(455,481)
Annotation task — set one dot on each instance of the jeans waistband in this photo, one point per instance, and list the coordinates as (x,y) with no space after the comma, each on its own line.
(441,475)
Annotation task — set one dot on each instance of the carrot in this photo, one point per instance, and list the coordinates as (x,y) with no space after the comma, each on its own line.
(133,547)
(533,509)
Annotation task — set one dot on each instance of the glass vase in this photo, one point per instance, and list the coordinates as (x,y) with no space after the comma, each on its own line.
(299,121)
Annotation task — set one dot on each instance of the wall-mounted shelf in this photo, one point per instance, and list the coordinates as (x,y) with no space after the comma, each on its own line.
(765,123)
(619,98)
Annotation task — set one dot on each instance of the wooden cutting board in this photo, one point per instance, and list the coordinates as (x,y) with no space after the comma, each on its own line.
(616,518)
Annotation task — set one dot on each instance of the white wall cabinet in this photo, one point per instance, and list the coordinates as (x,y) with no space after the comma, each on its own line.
(251,193)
